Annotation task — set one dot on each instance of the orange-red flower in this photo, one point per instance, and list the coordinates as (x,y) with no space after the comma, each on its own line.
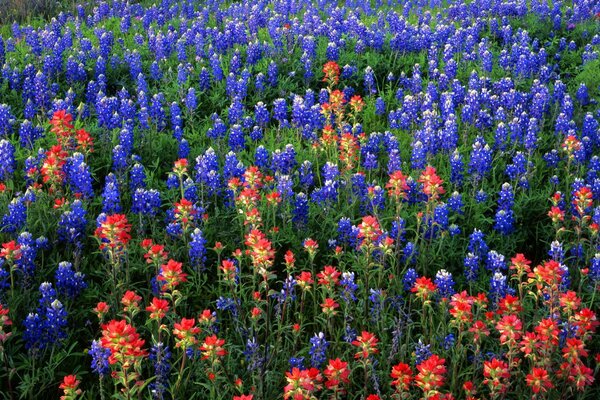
(329,306)
(401,377)
(130,301)
(70,386)
(185,331)
(113,232)
(496,373)
(539,380)
(331,69)
(424,288)
(431,374)
(158,308)
(172,274)
(337,373)
(329,277)
(212,348)
(367,344)
(124,343)
(302,384)
(510,327)
(369,230)
(397,186)
(432,183)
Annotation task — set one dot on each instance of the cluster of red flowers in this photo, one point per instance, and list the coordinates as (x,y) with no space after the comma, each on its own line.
(124,342)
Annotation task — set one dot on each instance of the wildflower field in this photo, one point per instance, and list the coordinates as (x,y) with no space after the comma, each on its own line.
(301,199)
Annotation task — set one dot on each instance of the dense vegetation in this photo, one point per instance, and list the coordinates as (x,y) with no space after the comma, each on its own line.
(301,199)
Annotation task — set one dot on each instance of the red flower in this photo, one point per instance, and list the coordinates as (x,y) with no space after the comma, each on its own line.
(424,288)
(479,329)
(11,251)
(212,348)
(304,280)
(113,232)
(431,374)
(186,331)
(5,322)
(461,308)
(496,373)
(244,397)
(329,306)
(158,308)
(302,384)
(310,246)
(402,377)
(510,329)
(337,373)
(367,342)
(539,380)
(329,277)
(101,310)
(369,230)
(432,184)
(331,69)
(69,386)
(397,187)
(172,274)
(124,343)
(130,301)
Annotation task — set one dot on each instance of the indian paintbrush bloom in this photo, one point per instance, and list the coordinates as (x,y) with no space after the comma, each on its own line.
(70,388)
(367,344)
(431,375)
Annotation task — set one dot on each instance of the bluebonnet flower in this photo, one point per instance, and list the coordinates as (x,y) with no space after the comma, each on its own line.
(449,341)
(376,297)
(594,270)
(146,202)
(306,175)
(197,249)
(227,304)
(7,159)
(204,76)
(498,287)
(16,217)
(296,362)
(379,106)
(68,282)
(236,138)
(410,253)
(456,168)
(111,196)
(422,352)
(495,261)
(317,350)
(369,81)
(253,356)
(272,74)
(46,327)
(7,119)
(455,203)
(481,196)
(99,364)
(418,158)
(582,95)
(481,159)
(160,355)
(300,211)
(445,284)
(349,287)
(79,175)
(409,279)
(137,177)
(72,224)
